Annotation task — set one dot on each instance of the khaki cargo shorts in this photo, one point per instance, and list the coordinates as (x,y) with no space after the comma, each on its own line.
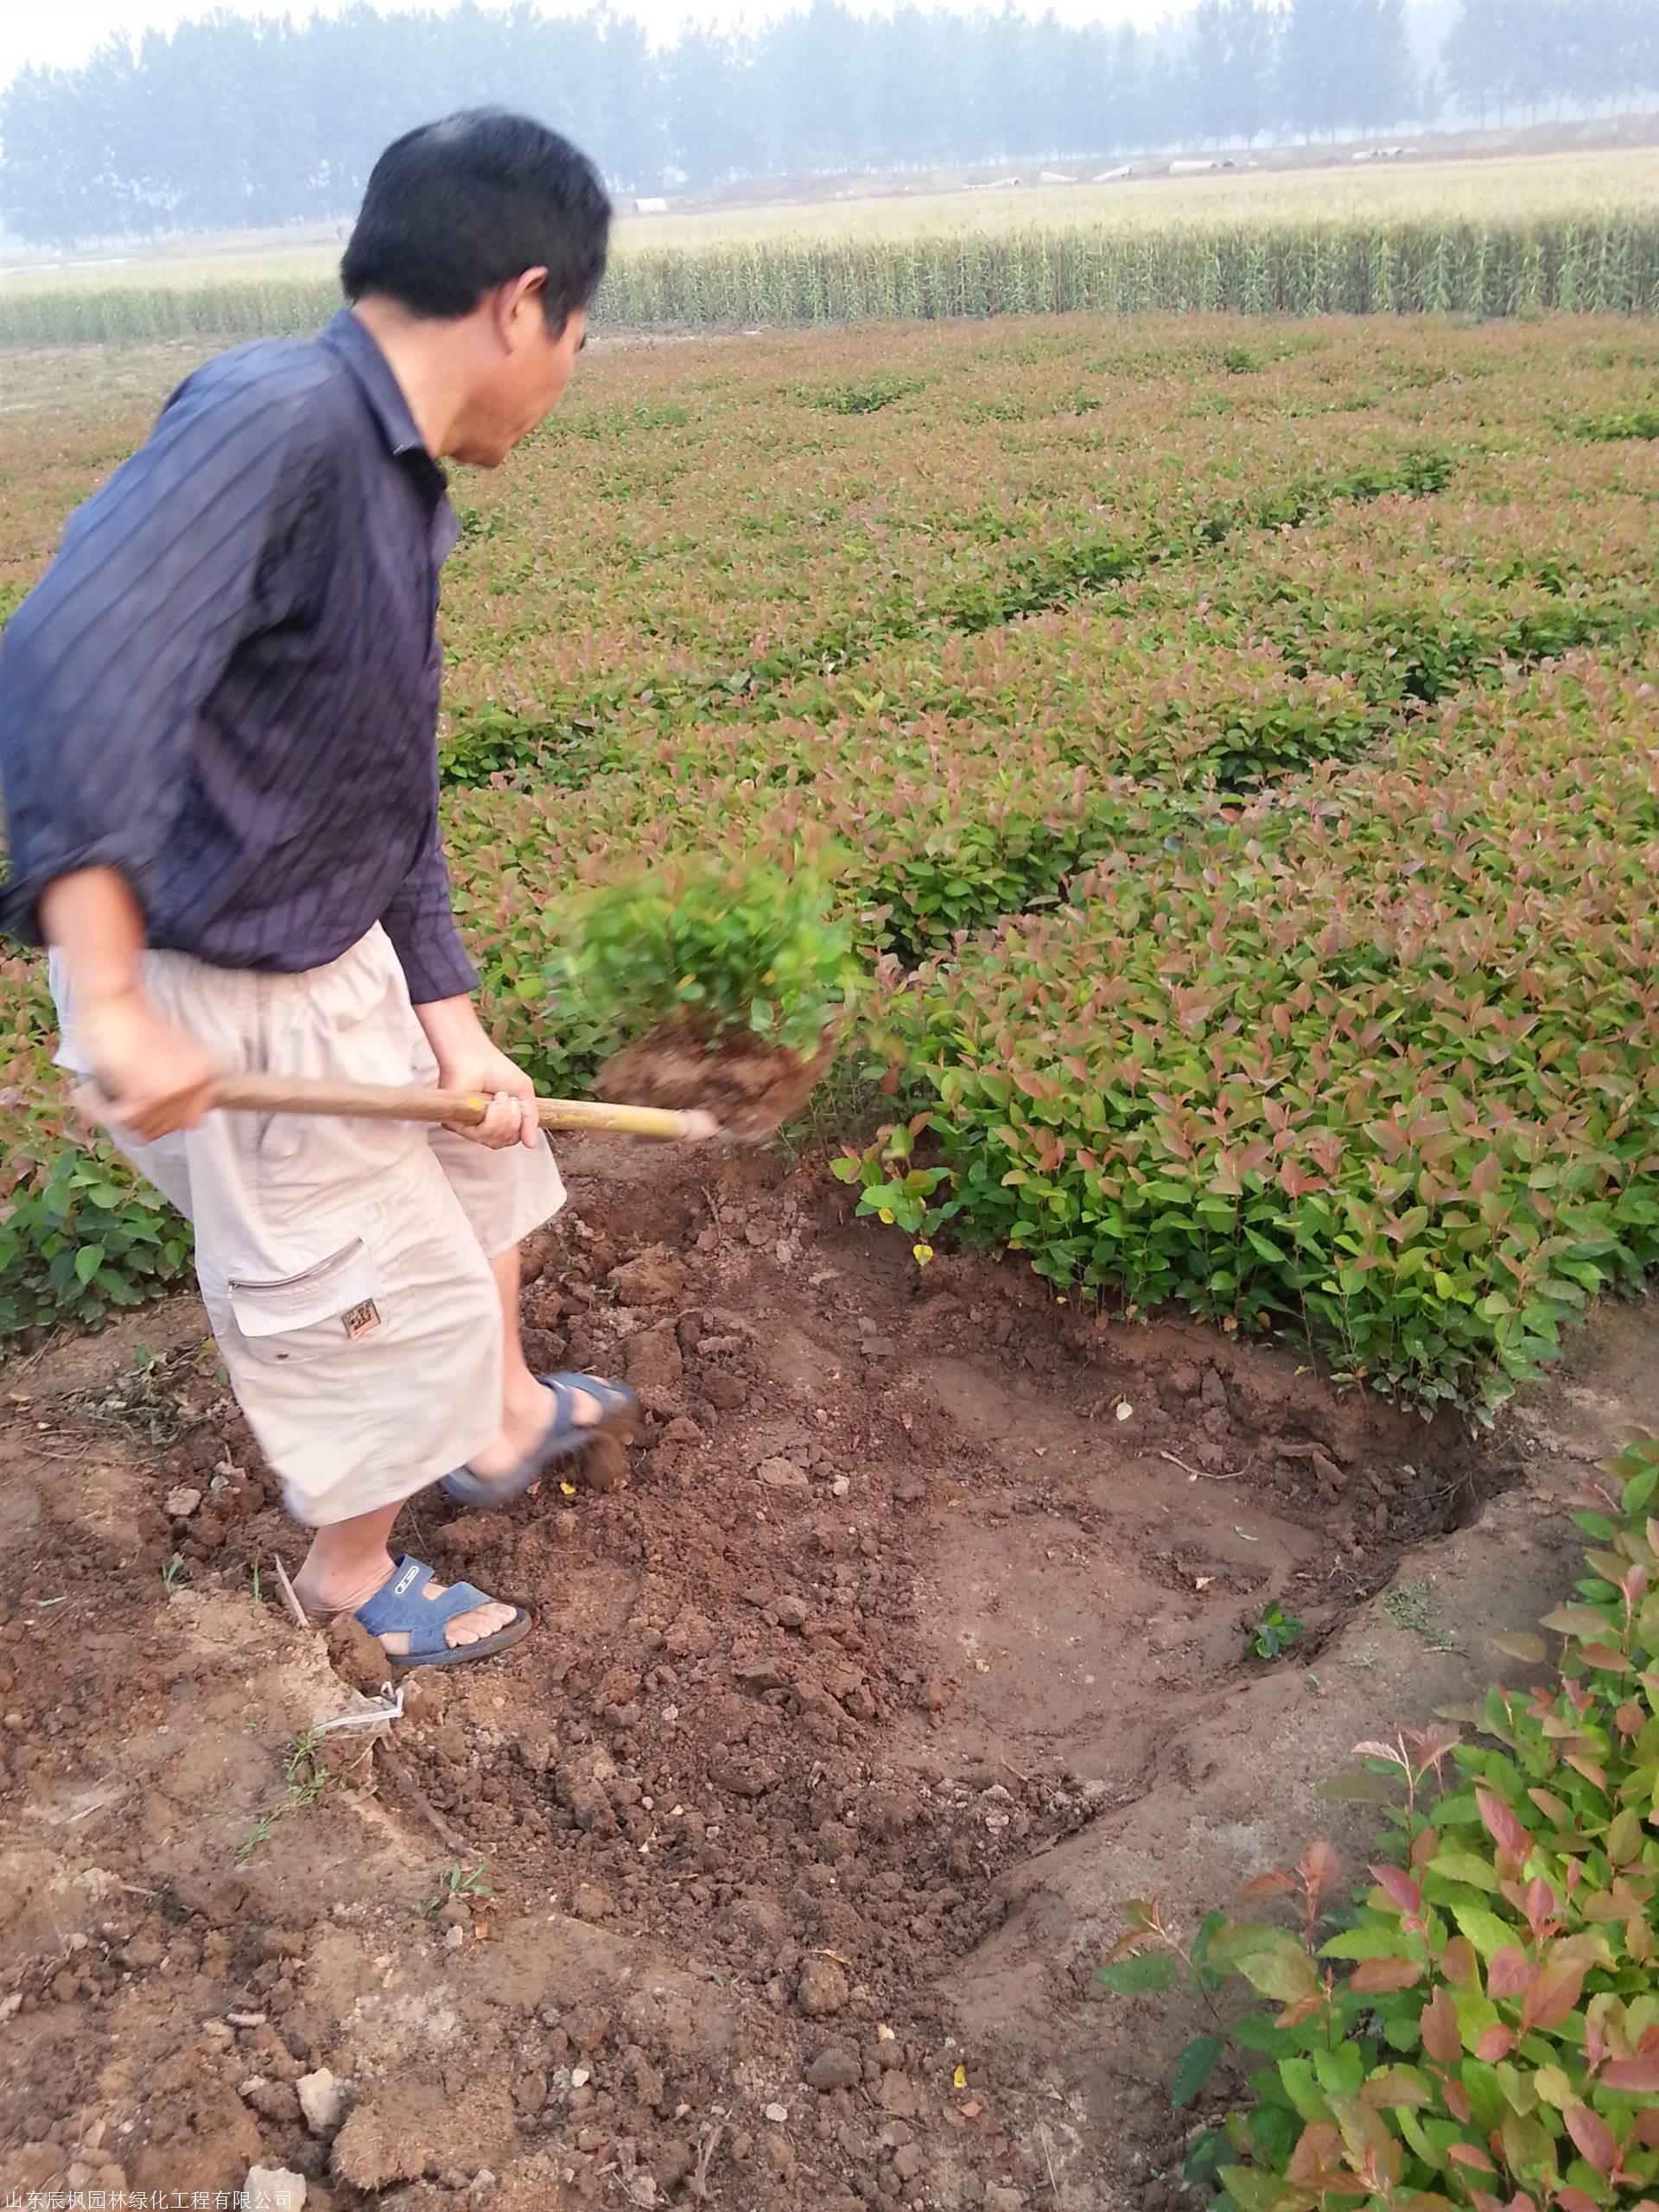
(345,1265)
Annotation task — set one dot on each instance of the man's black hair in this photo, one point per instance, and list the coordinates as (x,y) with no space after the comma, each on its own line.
(459,206)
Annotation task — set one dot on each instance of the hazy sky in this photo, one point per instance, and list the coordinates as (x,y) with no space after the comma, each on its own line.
(63,34)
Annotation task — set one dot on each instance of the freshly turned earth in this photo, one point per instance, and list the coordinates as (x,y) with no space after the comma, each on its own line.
(909,1645)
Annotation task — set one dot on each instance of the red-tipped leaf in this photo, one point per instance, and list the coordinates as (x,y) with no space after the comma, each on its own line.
(1459,1965)
(1553,1997)
(1471,2156)
(1374,1977)
(1399,1889)
(1636,2077)
(1321,1869)
(1593,2136)
(1277,1883)
(1502,1824)
(1439,2023)
(1540,1905)
(1510,1975)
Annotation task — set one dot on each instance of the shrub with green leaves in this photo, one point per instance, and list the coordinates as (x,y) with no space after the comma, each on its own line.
(1274,1634)
(727,952)
(81,1237)
(1479,2027)
(894,1190)
(1321,1065)
(84,1238)
(492,742)
(865,398)
(1609,429)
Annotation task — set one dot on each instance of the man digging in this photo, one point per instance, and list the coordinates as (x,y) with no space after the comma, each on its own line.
(217,722)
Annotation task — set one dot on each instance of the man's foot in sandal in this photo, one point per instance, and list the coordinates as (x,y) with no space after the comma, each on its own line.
(420,1622)
(582,1408)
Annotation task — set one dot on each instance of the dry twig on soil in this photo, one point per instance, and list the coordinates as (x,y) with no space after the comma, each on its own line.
(294,1607)
(1195,1474)
(698,2184)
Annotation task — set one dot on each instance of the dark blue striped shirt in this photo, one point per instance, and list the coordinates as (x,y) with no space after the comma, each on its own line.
(226,683)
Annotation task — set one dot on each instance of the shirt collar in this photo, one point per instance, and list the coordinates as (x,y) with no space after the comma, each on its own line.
(350,338)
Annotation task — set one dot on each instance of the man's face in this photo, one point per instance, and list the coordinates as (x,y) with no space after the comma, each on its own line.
(524,381)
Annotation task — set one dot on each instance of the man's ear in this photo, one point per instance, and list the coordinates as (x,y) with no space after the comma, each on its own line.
(517,302)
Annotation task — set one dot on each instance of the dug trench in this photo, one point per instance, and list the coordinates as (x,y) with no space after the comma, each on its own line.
(775,1868)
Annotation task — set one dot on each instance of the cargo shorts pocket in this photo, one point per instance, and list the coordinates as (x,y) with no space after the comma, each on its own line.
(306,1315)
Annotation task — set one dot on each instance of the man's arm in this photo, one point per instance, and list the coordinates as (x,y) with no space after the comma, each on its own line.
(153,1077)
(107,663)
(421,923)
(468,1061)
(105,669)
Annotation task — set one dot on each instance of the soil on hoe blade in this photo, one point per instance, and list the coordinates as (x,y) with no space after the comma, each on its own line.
(751,1089)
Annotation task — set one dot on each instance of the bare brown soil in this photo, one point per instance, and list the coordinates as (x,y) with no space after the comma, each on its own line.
(912,1644)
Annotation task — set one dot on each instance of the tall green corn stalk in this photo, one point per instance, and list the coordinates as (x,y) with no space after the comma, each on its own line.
(1255,290)
(1570,264)
(1212,288)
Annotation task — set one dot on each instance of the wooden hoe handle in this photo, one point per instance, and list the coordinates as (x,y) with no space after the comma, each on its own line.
(265,1094)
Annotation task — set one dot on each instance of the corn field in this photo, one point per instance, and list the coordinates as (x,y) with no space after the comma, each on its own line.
(1572,263)
(1608,265)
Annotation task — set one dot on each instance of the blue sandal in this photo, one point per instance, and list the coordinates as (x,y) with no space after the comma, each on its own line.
(619,1416)
(401,1604)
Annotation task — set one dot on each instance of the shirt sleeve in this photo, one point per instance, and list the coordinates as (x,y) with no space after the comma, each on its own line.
(421,923)
(193,544)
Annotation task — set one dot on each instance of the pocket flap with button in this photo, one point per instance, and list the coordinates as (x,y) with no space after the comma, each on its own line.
(341,1289)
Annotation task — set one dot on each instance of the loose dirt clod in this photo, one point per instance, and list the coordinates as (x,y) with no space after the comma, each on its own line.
(823,1989)
(750,1088)
(275,2186)
(322,2101)
(371,2152)
(835,2068)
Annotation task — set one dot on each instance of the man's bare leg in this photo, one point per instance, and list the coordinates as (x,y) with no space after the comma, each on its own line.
(526,1408)
(348,1561)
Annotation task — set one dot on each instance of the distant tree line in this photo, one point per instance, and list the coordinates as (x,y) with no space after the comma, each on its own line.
(1546,58)
(233,122)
